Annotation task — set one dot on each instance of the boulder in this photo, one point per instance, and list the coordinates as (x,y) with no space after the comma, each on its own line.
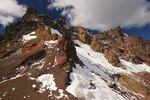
(112,58)
(61,58)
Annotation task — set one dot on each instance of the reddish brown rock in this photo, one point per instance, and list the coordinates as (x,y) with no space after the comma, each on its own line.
(145,76)
(134,47)
(98,47)
(6,51)
(83,35)
(114,36)
(112,58)
(43,33)
(130,48)
(14,61)
(61,57)
(30,45)
(133,85)
(146,98)
(145,59)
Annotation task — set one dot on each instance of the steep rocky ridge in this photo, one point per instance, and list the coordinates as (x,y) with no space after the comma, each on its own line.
(130,48)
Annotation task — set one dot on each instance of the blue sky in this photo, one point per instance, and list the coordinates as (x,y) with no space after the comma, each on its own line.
(41,5)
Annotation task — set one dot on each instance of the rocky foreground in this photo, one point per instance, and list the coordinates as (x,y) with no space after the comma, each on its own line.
(42,58)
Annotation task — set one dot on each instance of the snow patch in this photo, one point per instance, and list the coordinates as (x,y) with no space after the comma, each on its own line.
(31,78)
(17,76)
(13,89)
(54,31)
(50,43)
(48,83)
(24,97)
(125,34)
(61,94)
(135,67)
(4,94)
(21,69)
(29,37)
(33,86)
(41,66)
(49,63)
(38,64)
(4,78)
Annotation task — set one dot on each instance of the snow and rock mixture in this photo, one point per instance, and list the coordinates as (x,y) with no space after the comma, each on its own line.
(92,81)
(48,83)
(85,52)
(54,31)
(29,37)
(50,60)
(89,86)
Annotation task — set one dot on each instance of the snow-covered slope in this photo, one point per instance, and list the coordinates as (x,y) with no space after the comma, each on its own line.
(91,81)
(95,58)
(89,86)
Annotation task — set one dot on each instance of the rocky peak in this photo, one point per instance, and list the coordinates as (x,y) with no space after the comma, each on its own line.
(31,10)
(83,34)
(114,33)
(131,48)
(117,31)
(31,15)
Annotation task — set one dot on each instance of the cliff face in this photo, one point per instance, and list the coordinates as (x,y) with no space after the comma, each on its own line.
(130,48)
(42,58)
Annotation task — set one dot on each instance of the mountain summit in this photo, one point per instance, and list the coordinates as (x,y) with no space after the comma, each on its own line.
(42,58)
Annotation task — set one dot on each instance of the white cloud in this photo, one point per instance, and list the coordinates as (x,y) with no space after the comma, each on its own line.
(104,14)
(9,10)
